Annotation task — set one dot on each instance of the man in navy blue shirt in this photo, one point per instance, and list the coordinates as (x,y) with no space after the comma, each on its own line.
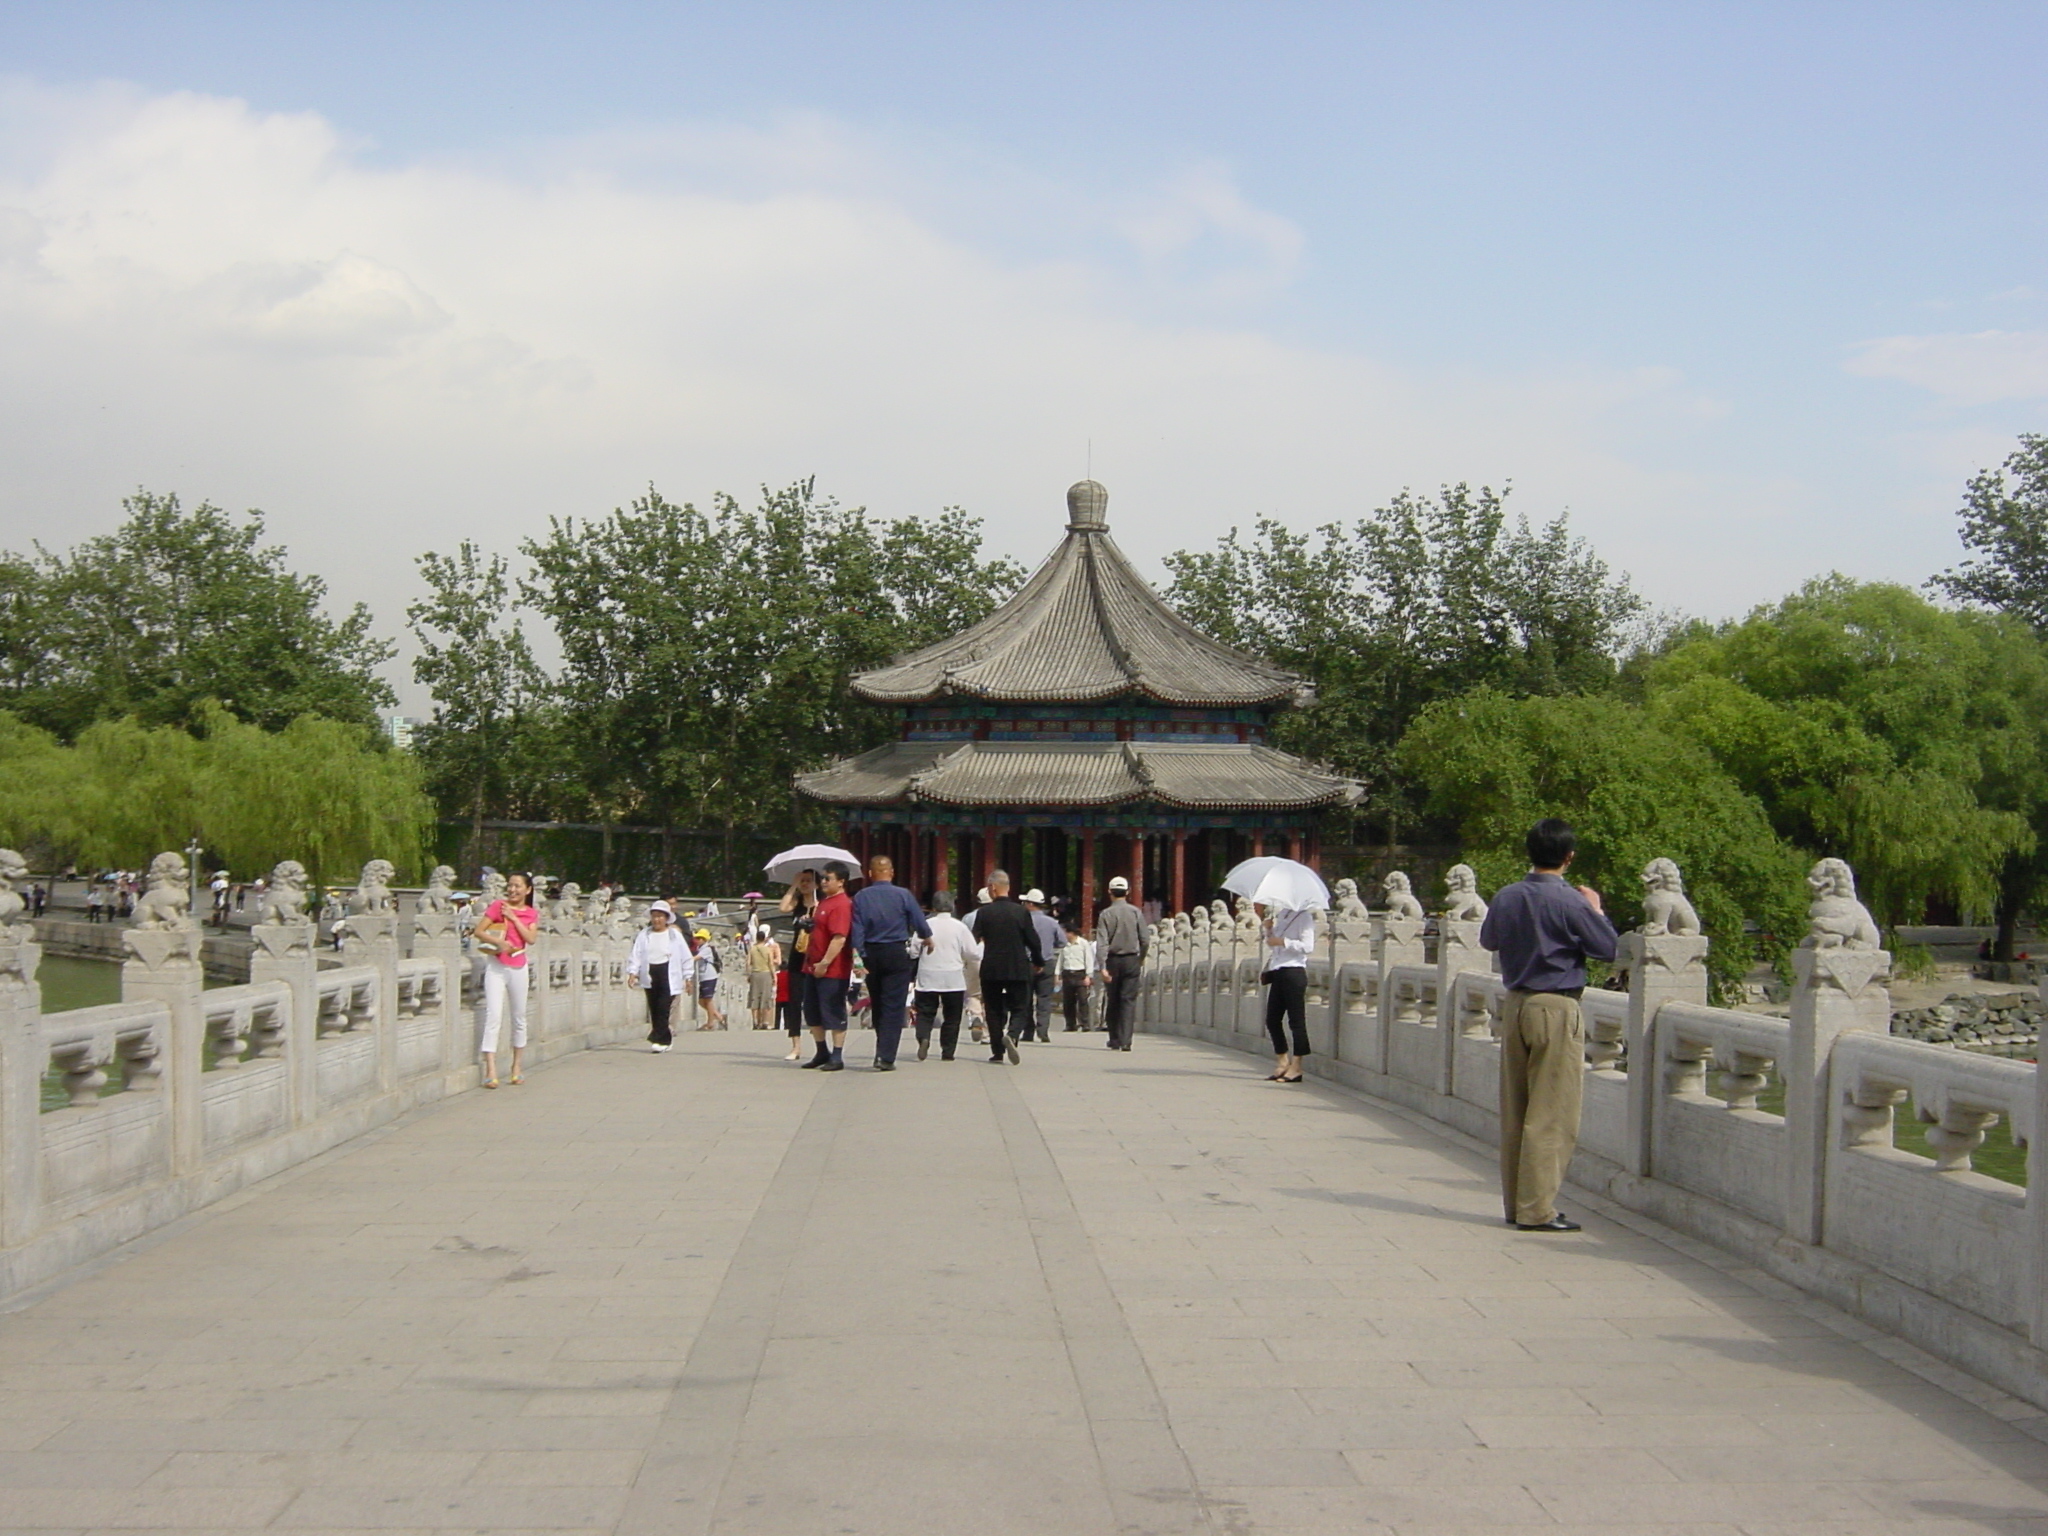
(885,918)
(1544,932)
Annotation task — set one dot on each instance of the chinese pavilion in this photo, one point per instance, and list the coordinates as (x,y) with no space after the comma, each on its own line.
(1082,730)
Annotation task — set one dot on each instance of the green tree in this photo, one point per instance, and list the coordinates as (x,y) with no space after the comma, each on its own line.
(1495,764)
(474,658)
(707,654)
(2007,526)
(1909,739)
(172,610)
(1422,599)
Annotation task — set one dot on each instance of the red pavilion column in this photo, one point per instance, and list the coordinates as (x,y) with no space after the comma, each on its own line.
(1087,879)
(942,860)
(1180,871)
(1136,873)
(1294,846)
(989,841)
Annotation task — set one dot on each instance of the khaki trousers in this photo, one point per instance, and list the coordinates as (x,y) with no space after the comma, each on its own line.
(1542,1077)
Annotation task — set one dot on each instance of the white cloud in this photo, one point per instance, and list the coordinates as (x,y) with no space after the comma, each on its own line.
(1972,369)
(201,297)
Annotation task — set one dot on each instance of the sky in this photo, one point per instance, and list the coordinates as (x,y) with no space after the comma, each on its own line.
(1748,290)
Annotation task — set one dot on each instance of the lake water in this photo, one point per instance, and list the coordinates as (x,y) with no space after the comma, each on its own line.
(68,983)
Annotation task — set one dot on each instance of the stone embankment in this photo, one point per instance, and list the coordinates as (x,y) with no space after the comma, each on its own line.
(1975,1020)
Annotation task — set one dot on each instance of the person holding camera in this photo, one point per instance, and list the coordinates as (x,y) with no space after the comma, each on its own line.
(1544,932)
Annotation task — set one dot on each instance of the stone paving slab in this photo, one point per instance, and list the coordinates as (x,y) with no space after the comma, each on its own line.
(708,1293)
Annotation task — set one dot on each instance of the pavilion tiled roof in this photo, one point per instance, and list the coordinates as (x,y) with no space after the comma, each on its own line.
(1085,627)
(988,774)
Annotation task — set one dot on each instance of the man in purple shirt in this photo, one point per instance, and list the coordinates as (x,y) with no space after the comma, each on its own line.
(1544,932)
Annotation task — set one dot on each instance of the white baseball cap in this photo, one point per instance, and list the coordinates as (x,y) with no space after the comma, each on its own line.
(1035,896)
(1119,883)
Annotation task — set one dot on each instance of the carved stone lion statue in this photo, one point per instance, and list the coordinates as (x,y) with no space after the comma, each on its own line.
(1837,919)
(1183,925)
(373,890)
(1463,904)
(1198,922)
(287,894)
(1219,913)
(13,871)
(1347,903)
(567,909)
(439,893)
(1401,900)
(167,903)
(1665,906)
(492,889)
(1247,919)
(624,924)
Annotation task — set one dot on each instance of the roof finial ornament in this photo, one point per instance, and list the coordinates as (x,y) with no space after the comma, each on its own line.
(1087,504)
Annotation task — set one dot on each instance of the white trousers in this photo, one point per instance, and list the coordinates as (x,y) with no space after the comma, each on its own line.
(504,986)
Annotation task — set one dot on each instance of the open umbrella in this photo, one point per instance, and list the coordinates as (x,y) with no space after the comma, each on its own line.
(1282,884)
(791,862)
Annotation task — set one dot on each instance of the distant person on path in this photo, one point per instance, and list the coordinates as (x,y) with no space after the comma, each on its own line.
(1045,986)
(707,981)
(95,903)
(942,978)
(891,934)
(764,959)
(1290,939)
(508,926)
(1120,944)
(830,970)
(801,902)
(660,965)
(1077,966)
(1544,932)
(1011,959)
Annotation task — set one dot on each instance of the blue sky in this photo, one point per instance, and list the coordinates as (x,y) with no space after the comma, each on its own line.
(1749,289)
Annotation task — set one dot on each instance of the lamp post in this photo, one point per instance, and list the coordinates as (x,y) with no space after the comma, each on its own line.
(192,851)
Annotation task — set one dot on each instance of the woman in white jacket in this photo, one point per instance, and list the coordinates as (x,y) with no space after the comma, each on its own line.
(661,963)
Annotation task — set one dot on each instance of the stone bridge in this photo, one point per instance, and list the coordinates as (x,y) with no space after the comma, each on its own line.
(273,1262)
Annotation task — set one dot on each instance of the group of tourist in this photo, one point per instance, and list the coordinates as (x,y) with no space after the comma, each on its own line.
(1003,967)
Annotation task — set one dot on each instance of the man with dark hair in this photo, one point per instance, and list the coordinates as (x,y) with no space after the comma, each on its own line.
(1011,958)
(1544,932)
(890,932)
(830,964)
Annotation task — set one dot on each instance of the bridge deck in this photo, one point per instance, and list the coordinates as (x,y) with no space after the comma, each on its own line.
(1146,1293)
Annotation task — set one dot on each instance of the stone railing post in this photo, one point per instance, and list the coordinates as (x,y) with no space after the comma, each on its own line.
(284,952)
(372,939)
(1833,991)
(23,1058)
(539,1016)
(1662,968)
(435,936)
(1457,951)
(163,967)
(1395,941)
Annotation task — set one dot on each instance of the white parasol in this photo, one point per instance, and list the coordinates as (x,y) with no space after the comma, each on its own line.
(1284,885)
(790,863)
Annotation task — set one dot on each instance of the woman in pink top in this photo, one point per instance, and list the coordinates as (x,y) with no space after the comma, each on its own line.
(505,971)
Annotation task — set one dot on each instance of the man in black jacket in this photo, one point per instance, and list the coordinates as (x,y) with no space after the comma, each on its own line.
(1011,957)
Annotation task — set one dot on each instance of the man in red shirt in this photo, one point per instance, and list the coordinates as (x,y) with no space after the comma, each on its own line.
(831,968)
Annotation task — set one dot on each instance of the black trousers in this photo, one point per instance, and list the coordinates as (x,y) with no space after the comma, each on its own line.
(890,971)
(1008,1005)
(945,1008)
(1074,998)
(658,999)
(791,1008)
(1287,1005)
(1122,998)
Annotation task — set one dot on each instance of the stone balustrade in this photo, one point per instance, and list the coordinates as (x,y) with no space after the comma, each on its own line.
(118,1119)
(1772,1138)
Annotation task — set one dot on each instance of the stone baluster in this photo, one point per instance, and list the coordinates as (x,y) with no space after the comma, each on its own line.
(1395,941)
(24,1054)
(163,967)
(285,952)
(437,936)
(372,939)
(1662,968)
(1457,951)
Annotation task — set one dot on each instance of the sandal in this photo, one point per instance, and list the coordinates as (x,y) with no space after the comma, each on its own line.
(515,1079)
(490,1082)
(1294,1079)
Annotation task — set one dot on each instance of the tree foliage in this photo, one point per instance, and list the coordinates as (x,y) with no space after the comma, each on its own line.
(1496,764)
(1423,599)
(1909,739)
(2006,524)
(172,611)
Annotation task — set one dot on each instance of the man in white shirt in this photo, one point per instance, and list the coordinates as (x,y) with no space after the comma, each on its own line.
(1077,961)
(942,977)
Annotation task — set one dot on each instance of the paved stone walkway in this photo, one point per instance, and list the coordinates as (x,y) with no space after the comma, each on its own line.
(707,1292)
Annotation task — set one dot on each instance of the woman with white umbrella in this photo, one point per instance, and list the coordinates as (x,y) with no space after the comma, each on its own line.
(1285,895)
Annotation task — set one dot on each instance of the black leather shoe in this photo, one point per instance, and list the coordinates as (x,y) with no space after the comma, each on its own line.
(924,1049)
(885,1066)
(1558,1223)
(816,1061)
(831,1066)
